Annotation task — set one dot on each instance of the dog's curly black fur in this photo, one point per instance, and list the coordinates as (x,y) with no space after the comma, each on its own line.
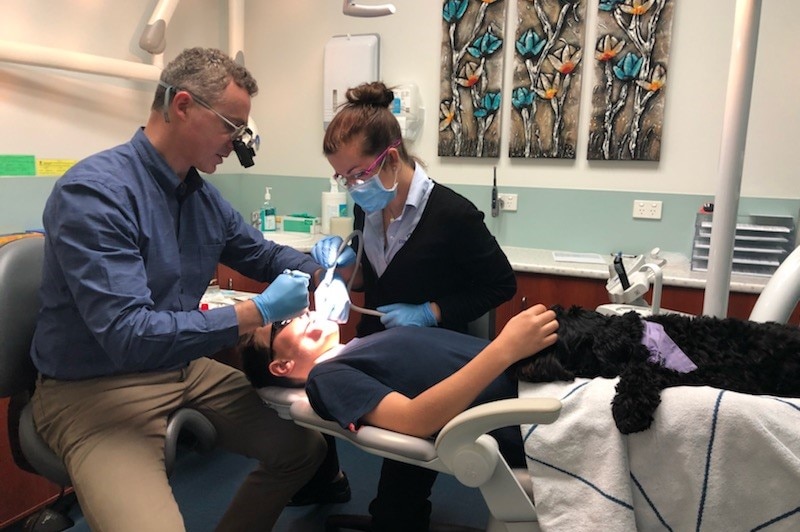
(731,354)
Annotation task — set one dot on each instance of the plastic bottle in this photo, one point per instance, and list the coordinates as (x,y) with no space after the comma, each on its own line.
(267,212)
(334,203)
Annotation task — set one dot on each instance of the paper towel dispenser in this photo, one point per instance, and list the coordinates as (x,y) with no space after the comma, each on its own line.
(407,108)
(349,60)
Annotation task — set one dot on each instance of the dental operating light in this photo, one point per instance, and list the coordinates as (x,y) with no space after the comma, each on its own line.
(352,9)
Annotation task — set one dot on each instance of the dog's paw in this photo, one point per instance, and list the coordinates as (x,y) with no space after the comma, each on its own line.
(630,420)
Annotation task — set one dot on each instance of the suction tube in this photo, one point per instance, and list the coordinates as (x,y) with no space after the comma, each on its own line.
(359,251)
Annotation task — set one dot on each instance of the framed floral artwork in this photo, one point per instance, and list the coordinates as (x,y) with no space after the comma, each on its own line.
(630,65)
(545,99)
(471,77)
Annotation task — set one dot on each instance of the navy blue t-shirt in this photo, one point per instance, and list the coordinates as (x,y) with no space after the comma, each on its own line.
(408,360)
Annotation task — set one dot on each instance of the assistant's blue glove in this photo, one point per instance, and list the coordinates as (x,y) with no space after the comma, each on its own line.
(324,252)
(285,297)
(399,314)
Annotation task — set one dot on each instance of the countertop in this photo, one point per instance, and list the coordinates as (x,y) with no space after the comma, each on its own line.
(677,269)
(299,241)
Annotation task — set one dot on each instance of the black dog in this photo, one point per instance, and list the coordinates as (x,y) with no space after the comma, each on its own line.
(737,355)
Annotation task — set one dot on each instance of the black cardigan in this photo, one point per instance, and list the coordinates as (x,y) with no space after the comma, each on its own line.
(451,259)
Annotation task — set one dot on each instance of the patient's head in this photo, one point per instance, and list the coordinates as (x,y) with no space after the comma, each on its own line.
(287,350)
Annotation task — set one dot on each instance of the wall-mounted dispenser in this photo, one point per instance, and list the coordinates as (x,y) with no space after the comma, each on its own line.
(349,60)
(407,107)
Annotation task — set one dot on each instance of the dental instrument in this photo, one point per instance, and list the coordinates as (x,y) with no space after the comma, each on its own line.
(332,297)
(495,200)
(619,267)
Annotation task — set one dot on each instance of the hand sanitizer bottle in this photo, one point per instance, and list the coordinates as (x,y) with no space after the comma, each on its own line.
(267,212)
(334,203)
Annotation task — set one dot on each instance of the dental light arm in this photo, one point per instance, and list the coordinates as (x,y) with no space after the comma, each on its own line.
(153,38)
(352,9)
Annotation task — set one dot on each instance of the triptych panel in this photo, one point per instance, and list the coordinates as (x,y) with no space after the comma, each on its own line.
(629,61)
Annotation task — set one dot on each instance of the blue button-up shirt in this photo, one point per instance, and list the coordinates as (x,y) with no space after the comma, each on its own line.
(129,251)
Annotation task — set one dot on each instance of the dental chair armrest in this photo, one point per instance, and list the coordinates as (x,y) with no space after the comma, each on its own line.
(280,399)
(190,420)
(473,456)
(484,418)
(469,452)
(374,440)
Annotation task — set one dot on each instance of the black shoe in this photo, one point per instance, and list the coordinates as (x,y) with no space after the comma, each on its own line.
(335,492)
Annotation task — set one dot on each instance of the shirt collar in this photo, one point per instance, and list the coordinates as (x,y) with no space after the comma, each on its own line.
(420,184)
(417,192)
(161,172)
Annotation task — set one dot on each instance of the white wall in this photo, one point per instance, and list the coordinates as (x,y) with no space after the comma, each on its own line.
(61,115)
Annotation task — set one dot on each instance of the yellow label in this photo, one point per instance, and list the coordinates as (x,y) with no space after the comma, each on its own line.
(53,167)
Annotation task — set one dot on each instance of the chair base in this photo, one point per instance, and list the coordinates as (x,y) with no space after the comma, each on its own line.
(48,520)
(363,523)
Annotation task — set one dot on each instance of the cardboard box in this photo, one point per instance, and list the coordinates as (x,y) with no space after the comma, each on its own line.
(300,224)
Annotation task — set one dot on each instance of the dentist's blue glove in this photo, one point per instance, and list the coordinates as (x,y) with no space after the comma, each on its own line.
(399,314)
(324,252)
(284,298)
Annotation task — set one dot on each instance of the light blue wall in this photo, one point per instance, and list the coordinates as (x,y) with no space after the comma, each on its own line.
(569,220)
(22,202)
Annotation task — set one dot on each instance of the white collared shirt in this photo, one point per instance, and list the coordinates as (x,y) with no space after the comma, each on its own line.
(381,249)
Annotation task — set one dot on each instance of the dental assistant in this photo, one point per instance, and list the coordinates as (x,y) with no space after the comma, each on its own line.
(429,260)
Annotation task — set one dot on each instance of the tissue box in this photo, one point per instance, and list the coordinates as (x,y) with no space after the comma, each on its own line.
(301,224)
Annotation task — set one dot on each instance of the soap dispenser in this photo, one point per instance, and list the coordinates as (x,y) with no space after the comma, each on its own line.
(267,212)
(334,203)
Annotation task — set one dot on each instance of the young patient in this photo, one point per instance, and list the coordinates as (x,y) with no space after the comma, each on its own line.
(411,380)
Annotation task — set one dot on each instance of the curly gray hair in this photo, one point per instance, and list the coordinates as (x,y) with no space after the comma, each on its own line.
(204,72)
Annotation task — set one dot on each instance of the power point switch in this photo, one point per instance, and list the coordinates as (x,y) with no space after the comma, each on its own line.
(508,202)
(647,209)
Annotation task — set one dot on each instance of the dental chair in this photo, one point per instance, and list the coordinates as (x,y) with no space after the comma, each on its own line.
(462,448)
(20,276)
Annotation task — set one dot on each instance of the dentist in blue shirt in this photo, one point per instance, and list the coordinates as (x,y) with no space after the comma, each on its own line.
(133,237)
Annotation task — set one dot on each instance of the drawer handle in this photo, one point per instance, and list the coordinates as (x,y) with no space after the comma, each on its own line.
(524,302)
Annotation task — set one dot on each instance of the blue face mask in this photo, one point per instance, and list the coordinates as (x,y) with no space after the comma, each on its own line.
(371,194)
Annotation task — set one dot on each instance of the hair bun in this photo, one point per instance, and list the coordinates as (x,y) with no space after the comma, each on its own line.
(375,94)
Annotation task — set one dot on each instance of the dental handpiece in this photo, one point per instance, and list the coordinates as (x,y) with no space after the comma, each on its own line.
(619,267)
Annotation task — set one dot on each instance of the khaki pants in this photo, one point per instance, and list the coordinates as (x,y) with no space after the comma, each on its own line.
(110,433)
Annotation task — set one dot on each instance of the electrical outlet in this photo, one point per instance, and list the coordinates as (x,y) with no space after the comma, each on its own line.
(649,209)
(508,202)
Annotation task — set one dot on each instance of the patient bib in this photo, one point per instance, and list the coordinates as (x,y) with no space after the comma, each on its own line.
(663,350)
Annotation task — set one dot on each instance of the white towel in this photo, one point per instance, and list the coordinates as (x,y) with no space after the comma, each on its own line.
(712,460)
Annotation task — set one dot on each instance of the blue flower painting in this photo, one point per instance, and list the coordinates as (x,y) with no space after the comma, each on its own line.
(547,78)
(471,77)
(630,64)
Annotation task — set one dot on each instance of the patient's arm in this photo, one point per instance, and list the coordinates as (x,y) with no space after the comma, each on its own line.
(525,334)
